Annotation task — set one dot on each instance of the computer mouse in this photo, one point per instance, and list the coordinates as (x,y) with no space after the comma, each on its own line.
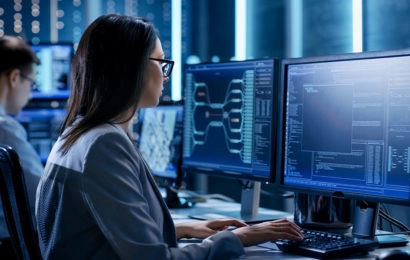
(395,254)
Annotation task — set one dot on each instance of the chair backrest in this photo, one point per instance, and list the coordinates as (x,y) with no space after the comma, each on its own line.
(16,205)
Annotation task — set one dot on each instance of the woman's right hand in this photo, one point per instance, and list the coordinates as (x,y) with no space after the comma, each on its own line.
(268,231)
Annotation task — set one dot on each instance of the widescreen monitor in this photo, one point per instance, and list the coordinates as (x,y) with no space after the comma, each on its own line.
(346,127)
(229,127)
(229,121)
(52,80)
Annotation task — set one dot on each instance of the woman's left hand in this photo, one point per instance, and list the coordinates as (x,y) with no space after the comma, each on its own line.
(206,228)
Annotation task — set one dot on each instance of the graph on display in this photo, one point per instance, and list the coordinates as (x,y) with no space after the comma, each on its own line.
(232,115)
(228,116)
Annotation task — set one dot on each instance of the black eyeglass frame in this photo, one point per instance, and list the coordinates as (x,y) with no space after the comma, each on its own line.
(32,81)
(167,66)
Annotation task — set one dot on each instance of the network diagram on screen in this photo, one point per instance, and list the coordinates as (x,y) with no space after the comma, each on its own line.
(228,117)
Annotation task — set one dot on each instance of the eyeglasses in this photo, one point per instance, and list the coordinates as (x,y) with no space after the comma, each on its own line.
(32,81)
(167,66)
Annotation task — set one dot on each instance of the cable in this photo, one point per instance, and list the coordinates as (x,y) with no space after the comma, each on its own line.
(380,222)
(396,223)
(383,214)
(393,221)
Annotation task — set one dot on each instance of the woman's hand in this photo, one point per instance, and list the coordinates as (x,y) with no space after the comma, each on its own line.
(268,231)
(203,229)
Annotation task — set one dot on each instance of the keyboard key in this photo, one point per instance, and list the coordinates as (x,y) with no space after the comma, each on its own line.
(320,244)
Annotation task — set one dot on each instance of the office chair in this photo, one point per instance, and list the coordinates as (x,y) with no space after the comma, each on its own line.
(16,205)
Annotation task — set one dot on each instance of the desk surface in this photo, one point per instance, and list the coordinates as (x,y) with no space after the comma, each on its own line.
(261,252)
(264,251)
(214,208)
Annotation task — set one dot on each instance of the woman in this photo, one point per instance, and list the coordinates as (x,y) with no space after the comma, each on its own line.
(97,198)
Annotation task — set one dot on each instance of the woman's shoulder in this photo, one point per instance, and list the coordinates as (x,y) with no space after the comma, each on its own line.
(107,139)
(99,142)
(104,132)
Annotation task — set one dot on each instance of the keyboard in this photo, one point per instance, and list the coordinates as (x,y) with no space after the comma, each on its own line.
(322,244)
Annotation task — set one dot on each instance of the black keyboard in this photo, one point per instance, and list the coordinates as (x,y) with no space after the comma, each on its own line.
(321,244)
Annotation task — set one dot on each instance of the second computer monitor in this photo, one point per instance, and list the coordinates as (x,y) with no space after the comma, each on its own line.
(230,119)
(347,126)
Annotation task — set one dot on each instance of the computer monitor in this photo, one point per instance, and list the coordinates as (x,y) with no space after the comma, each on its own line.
(230,122)
(159,137)
(346,130)
(43,127)
(52,80)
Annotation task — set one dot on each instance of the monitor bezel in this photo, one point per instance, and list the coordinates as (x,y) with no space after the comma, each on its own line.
(189,169)
(282,124)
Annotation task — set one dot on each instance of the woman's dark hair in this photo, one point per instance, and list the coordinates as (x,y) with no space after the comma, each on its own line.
(107,72)
(15,53)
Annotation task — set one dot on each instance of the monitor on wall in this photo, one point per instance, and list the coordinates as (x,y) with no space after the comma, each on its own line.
(345,129)
(42,117)
(53,74)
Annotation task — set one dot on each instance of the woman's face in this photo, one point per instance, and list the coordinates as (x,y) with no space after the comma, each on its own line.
(154,79)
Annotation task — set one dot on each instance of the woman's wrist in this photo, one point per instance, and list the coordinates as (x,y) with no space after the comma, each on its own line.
(181,231)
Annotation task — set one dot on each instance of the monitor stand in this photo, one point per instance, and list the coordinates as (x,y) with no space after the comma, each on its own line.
(249,212)
(365,224)
(250,197)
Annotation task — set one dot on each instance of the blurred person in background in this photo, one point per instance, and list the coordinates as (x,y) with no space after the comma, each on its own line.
(18,69)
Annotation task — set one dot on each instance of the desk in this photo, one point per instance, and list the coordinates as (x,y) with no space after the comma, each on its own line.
(260,252)
(263,251)
(215,208)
